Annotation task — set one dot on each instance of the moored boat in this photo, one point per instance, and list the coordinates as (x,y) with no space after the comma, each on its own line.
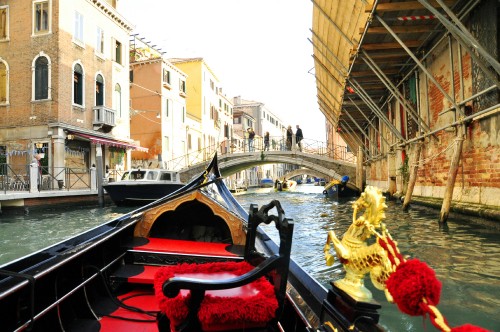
(340,189)
(285,185)
(267,183)
(143,186)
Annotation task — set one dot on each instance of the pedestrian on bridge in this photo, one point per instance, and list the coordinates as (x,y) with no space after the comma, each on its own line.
(251,136)
(299,137)
(289,134)
(266,141)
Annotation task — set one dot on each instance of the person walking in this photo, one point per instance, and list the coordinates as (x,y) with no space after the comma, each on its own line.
(299,137)
(251,136)
(289,134)
(266,141)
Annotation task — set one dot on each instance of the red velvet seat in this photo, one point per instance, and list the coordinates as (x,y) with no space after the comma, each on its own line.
(222,296)
(249,306)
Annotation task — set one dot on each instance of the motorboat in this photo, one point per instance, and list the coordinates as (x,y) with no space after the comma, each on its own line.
(266,183)
(341,188)
(285,185)
(196,260)
(142,186)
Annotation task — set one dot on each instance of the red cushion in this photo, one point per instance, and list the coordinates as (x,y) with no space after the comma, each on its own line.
(250,306)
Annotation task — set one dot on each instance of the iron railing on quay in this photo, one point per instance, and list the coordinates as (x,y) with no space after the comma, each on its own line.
(29,177)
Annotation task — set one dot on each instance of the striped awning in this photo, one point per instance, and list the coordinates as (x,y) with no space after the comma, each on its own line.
(110,142)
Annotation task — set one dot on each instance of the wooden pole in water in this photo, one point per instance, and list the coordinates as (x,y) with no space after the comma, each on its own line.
(100,191)
(452,175)
(413,175)
(359,169)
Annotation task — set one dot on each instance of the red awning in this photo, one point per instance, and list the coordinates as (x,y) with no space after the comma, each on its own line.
(110,142)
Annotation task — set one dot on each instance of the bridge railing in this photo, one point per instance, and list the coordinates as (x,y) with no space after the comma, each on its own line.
(276,143)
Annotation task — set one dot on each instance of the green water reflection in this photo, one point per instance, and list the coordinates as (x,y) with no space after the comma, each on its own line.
(465,254)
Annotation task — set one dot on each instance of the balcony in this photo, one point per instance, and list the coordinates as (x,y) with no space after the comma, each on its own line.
(104,118)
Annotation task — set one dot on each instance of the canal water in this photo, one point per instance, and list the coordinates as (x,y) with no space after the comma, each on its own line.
(465,253)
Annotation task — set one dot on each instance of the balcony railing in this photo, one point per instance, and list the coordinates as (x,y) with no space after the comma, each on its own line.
(104,116)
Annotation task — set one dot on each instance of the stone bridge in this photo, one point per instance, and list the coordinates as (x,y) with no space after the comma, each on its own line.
(318,164)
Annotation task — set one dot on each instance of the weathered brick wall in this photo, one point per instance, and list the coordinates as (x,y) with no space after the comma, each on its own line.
(478,178)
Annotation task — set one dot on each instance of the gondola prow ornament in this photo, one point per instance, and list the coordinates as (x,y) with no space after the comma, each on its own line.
(354,252)
(411,284)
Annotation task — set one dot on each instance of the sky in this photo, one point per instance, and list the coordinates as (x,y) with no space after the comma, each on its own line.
(258,49)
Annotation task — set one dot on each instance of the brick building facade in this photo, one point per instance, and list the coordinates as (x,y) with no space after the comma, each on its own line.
(65,82)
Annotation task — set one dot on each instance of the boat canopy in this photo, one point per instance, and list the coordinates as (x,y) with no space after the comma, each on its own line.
(150,175)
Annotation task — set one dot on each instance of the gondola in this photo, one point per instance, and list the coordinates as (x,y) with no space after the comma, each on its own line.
(341,189)
(194,260)
(118,276)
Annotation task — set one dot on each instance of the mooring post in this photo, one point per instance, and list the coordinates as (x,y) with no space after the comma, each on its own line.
(413,174)
(359,169)
(100,191)
(452,175)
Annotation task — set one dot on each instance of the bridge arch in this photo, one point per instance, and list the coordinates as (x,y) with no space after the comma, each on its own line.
(232,163)
(303,171)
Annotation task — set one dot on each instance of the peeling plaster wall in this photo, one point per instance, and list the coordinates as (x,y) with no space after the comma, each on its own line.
(478,178)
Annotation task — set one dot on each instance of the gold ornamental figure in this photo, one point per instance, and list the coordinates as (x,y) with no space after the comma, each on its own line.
(354,251)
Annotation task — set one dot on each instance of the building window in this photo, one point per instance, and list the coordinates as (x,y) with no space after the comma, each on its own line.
(4,82)
(41,78)
(3,159)
(189,143)
(117,52)
(78,33)
(182,86)
(99,43)
(41,17)
(78,85)
(99,90)
(118,99)
(166,142)
(4,23)
(183,115)
(167,107)
(166,76)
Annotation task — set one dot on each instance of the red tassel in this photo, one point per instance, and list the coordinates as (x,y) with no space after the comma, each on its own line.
(412,281)
(469,328)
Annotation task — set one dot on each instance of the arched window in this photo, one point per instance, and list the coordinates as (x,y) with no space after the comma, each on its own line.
(4,82)
(99,90)
(118,100)
(78,85)
(41,78)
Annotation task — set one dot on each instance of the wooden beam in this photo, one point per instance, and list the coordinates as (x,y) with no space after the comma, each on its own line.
(371,73)
(389,55)
(394,57)
(407,5)
(387,46)
(398,29)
